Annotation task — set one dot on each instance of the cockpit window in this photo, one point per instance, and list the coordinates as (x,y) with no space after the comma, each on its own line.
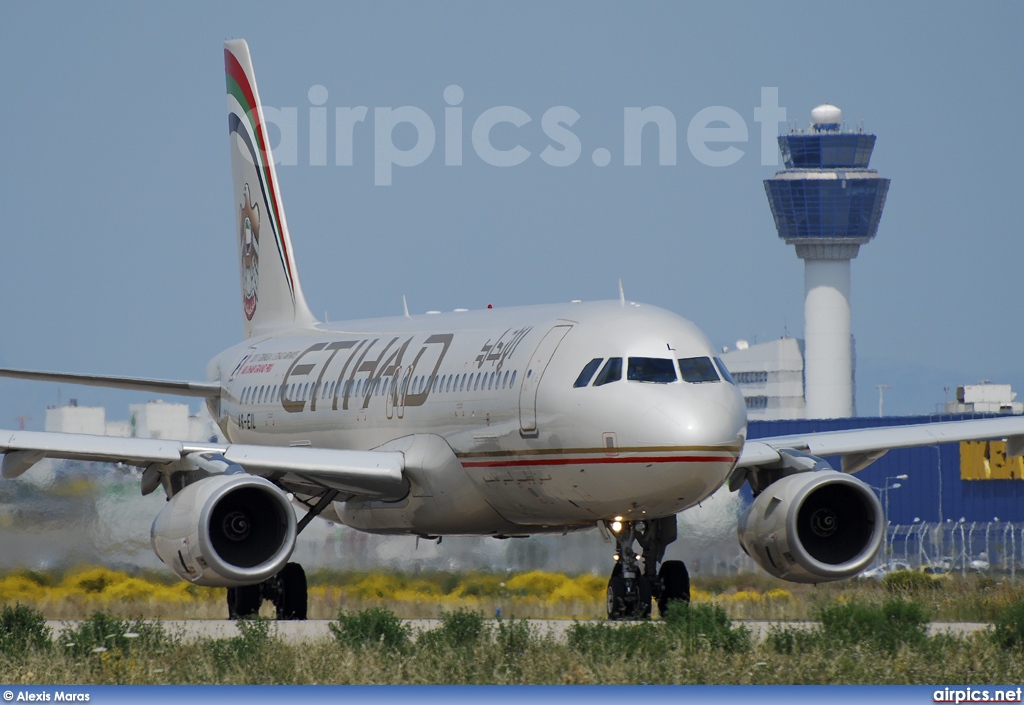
(723,371)
(611,372)
(698,369)
(651,369)
(588,372)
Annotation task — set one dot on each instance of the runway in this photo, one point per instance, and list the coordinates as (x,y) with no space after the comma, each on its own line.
(317,629)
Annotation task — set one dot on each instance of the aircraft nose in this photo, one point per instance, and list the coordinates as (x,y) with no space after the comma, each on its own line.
(708,414)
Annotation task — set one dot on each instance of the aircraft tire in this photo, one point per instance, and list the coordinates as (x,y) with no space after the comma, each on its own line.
(293,603)
(616,597)
(675,584)
(244,602)
(643,599)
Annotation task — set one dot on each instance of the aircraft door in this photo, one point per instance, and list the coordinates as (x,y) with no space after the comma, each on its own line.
(531,379)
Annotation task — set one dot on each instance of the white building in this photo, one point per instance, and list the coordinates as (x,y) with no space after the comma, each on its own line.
(76,419)
(154,419)
(771,377)
(985,398)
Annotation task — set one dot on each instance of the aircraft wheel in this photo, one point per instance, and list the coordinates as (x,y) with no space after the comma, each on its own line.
(244,602)
(643,598)
(294,598)
(616,597)
(675,584)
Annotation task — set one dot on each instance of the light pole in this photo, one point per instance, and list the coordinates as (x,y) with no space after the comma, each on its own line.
(881,396)
(940,533)
(938,457)
(885,500)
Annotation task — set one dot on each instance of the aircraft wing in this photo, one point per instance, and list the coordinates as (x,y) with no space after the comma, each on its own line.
(300,470)
(861,447)
(157,386)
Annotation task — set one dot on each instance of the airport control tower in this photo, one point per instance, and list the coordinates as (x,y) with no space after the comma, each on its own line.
(827,203)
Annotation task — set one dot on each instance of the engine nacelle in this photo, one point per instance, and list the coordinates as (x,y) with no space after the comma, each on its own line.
(814,527)
(226,531)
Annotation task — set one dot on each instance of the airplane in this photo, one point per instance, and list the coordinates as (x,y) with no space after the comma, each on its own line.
(500,422)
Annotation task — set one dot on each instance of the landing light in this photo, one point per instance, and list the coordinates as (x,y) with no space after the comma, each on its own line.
(616,526)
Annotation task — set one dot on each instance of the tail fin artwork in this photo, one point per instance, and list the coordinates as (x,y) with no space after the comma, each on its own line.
(271,294)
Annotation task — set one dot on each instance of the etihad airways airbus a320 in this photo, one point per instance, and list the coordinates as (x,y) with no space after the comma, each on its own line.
(498,422)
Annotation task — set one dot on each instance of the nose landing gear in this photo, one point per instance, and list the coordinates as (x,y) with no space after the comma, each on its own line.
(633,585)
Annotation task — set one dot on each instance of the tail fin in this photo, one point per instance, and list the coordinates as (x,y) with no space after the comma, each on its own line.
(271,294)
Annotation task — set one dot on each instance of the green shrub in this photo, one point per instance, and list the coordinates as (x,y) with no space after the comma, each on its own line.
(705,626)
(247,648)
(460,629)
(1009,627)
(101,632)
(514,637)
(895,623)
(616,640)
(910,581)
(22,628)
(375,627)
(788,641)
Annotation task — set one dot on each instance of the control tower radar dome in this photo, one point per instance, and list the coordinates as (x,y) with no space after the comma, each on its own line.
(826,114)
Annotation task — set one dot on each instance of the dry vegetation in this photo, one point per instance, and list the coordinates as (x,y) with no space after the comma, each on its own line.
(867,632)
(855,643)
(80,592)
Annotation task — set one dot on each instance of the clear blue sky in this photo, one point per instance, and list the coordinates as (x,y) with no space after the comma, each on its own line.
(118,217)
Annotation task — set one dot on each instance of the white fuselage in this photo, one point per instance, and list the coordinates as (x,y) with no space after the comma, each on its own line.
(534,451)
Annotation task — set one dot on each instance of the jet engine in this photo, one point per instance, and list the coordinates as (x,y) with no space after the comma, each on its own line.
(813,527)
(226,531)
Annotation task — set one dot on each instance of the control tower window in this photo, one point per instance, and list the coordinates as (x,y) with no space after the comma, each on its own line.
(698,369)
(611,372)
(586,375)
(723,371)
(651,369)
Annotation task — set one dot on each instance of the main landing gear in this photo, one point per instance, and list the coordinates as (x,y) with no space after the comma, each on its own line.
(633,585)
(287,590)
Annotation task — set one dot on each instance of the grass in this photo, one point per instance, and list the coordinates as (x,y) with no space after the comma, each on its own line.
(80,592)
(695,645)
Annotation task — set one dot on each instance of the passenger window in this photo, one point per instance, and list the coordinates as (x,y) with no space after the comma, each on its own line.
(588,372)
(490,382)
(504,382)
(512,382)
(698,369)
(611,372)
(651,369)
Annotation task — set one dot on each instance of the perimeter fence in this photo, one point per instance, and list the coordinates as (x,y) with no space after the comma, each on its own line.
(993,547)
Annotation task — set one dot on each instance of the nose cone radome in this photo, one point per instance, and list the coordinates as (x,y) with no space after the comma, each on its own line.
(711,414)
